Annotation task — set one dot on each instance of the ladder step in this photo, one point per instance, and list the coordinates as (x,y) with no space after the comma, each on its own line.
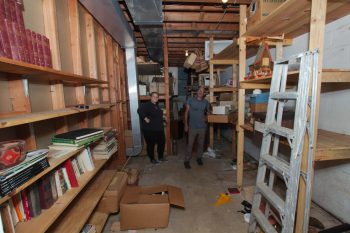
(272,197)
(263,222)
(284,95)
(279,130)
(276,164)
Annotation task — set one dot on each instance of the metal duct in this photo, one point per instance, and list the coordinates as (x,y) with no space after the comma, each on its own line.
(111,17)
(148,16)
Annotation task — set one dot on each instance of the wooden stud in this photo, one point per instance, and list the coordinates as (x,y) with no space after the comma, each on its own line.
(74,27)
(241,96)
(167,96)
(316,40)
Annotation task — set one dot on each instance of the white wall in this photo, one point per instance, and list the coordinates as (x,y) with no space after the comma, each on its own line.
(332,179)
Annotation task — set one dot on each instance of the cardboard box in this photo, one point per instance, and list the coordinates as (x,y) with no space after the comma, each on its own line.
(190,60)
(142,89)
(260,107)
(226,97)
(129,142)
(148,207)
(109,203)
(220,110)
(229,118)
(259,9)
(157,87)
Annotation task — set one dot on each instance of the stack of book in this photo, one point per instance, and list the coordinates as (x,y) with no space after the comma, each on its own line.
(106,147)
(13,177)
(76,138)
(19,43)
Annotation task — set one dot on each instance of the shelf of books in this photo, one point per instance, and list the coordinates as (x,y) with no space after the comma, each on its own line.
(40,116)
(42,222)
(76,216)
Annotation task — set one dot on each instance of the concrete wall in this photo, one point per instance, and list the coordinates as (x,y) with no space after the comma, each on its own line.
(332,179)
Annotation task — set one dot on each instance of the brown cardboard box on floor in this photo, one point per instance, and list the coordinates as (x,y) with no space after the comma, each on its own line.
(129,142)
(148,207)
(109,203)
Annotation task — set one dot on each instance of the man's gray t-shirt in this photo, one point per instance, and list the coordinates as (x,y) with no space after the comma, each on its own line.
(197,113)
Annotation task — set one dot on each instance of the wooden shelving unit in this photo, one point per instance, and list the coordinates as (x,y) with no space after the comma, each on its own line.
(291,19)
(42,222)
(40,73)
(40,116)
(147,97)
(76,217)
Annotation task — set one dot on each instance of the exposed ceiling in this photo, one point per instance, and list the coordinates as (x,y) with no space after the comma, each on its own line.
(188,23)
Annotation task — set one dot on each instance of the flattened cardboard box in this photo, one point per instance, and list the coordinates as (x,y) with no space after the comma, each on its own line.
(111,198)
(149,207)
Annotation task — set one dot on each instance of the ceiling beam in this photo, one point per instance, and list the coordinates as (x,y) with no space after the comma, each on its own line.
(200,26)
(196,17)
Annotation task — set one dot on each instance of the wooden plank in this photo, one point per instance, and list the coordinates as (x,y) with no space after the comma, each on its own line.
(98,219)
(18,96)
(102,61)
(167,97)
(40,73)
(332,146)
(230,118)
(335,76)
(76,217)
(50,24)
(44,221)
(241,96)
(40,116)
(222,89)
(223,62)
(316,41)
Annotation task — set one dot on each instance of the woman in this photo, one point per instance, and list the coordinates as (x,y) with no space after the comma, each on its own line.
(151,117)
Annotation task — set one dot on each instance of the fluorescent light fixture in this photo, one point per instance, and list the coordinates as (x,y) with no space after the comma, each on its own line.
(186,53)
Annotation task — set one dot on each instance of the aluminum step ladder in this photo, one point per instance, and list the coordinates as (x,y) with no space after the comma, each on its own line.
(281,206)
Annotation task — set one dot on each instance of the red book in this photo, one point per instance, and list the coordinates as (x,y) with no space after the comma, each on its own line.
(25,204)
(25,46)
(45,193)
(35,49)
(71,175)
(18,41)
(12,41)
(7,9)
(2,10)
(39,43)
(12,4)
(47,52)
(30,46)
(19,14)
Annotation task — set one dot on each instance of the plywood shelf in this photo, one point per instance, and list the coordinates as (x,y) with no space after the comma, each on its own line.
(43,73)
(328,76)
(76,216)
(147,97)
(292,18)
(43,222)
(330,145)
(40,116)
(223,89)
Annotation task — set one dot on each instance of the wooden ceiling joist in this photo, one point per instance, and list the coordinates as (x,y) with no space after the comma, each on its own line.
(196,17)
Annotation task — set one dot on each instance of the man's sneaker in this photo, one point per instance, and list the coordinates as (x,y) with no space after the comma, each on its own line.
(200,162)
(154,161)
(162,160)
(187,165)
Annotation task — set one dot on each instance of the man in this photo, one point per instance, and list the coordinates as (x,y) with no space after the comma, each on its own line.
(196,125)
(151,117)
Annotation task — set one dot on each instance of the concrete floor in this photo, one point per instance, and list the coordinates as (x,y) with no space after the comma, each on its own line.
(201,187)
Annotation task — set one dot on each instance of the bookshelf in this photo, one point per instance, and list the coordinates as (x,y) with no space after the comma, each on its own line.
(35,102)
(42,222)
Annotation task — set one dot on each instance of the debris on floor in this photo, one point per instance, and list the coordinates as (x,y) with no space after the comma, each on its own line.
(233,190)
(115,227)
(133,176)
(211,153)
(223,199)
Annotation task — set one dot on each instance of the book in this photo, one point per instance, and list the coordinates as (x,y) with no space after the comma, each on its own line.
(4,40)
(16,204)
(39,45)
(21,207)
(47,52)
(34,200)
(75,143)
(63,184)
(25,203)
(18,41)
(70,172)
(85,161)
(12,4)
(58,184)
(12,41)
(79,134)
(75,168)
(7,225)
(53,186)
(7,9)
(13,213)
(45,192)
(66,178)
(35,49)
(30,46)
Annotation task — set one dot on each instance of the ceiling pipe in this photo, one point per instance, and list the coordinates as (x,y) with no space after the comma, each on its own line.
(111,17)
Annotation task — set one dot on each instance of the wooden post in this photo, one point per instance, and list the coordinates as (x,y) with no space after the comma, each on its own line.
(211,85)
(317,29)
(241,95)
(51,31)
(167,96)
(92,58)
